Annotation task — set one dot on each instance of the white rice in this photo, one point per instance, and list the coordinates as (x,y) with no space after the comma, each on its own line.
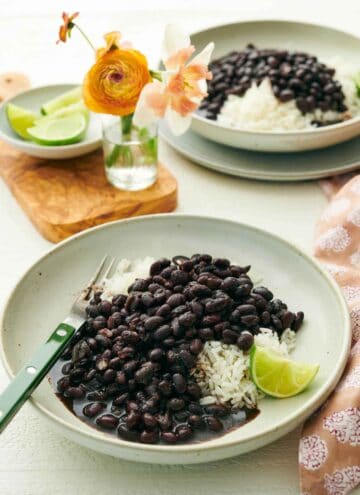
(125,274)
(222,371)
(260,110)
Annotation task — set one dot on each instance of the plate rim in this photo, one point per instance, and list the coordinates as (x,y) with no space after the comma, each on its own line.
(301,132)
(23,144)
(291,421)
(208,163)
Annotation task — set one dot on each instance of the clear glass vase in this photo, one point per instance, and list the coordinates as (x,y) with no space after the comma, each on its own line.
(130,153)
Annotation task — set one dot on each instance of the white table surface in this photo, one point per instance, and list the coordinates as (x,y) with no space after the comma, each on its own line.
(34,460)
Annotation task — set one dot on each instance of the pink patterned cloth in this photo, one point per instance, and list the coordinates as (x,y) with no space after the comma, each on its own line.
(329,450)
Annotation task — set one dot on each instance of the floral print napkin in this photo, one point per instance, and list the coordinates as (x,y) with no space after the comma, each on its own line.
(329,450)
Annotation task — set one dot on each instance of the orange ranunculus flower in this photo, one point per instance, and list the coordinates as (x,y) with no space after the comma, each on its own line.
(115,81)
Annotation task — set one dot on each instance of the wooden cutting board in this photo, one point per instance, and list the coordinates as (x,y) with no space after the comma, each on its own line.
(62,197)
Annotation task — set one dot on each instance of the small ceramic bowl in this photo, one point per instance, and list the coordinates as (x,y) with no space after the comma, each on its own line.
(32,100)
(321,41)
(30,314)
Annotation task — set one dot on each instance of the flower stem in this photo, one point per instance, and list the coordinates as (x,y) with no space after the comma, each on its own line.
(156,74)
(84,36)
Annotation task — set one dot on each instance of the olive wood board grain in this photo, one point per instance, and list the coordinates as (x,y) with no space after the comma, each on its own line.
(64,197)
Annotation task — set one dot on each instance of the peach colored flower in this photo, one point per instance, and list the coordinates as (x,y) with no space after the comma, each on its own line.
(66,27)
(183,86)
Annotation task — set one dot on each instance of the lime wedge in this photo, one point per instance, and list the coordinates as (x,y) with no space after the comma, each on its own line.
(59,131)
(20,119)
(278,376)
(357,84)
(78,107)
(63,100)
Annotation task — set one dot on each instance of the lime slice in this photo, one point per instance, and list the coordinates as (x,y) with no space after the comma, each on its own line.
(59,131)
(20,119)
(78,107)
(278,376)
(357,84)
(63,100)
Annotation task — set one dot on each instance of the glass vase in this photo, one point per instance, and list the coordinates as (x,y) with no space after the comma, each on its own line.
(130,153)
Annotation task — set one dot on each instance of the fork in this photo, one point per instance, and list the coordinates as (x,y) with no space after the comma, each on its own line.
(32,373)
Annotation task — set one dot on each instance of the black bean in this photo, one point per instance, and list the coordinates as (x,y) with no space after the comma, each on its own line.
(176,404)
(287,319)
(75,392)
(214,424)
(156,354)
(206,334)
(165,388)
(245,341)
(299,318)
(133,419)
(80,351)
(149,436)
(149,420)
(199,290)
(121,399)
(169,437)
(217,410)
(153,322)
(179,277)
(130,366)
(109,376)
(187,266)
(249,320)
(196,346)
(196,421)
(187,319)
(63,384)
(65,370)
(175,300)
(158,266)
(194,390)
(184,432)
(245,309)
(163,310)
(286,95)
(102,364)
(144,374)
(180,383)
(187,358)
(93,409)
(162,333)
(276,322)
(264,292)
(108,421)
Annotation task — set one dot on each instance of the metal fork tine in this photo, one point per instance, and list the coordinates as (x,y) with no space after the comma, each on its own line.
(96,275)
(110,269)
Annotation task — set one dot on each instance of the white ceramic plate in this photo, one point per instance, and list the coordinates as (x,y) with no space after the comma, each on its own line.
(309,165)
(41,299)
(322,41)
(33,99)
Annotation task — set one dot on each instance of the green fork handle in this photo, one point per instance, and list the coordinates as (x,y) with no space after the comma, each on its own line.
(30,376)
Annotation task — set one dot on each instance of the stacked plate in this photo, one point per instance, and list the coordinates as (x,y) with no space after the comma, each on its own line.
(275,155)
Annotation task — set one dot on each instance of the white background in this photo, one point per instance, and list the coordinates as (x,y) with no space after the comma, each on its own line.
(33,459)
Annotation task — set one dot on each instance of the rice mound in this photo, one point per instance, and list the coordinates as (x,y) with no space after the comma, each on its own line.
(260,110)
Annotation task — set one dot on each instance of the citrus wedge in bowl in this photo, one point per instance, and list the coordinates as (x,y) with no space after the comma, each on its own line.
(20,119)
(278,376)
(69,129)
